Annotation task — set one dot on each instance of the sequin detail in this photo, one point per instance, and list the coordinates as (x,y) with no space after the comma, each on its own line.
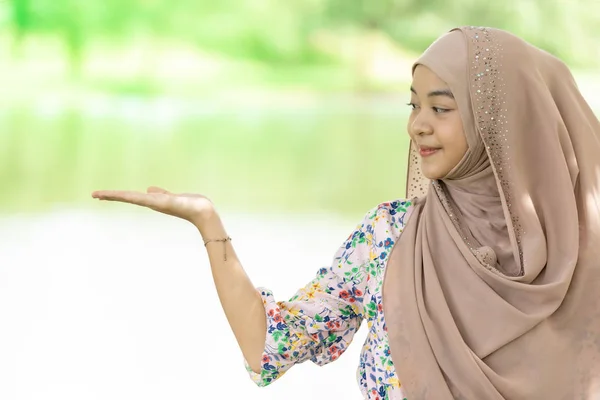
(416,183)
(489,94)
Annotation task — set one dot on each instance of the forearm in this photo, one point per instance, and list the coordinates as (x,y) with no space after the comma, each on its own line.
(239,298)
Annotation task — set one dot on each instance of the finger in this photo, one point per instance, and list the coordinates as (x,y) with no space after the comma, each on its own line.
(156,189)
(137,198)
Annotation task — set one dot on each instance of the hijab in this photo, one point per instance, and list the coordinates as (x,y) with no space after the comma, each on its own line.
(493,289)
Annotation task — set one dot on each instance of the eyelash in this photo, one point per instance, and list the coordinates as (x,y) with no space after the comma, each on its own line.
(436,109)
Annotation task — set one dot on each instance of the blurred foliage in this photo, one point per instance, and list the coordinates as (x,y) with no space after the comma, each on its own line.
(284,31)
(260,104)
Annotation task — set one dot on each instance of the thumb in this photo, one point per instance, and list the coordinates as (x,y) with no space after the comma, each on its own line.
(155,189)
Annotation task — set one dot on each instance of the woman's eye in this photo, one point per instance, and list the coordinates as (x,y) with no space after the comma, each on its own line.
(412,105)
(438,110)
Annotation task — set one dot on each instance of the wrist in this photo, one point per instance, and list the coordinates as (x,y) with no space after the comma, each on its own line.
(209,224)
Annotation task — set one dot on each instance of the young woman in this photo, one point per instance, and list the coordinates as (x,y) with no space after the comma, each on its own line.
(486,283)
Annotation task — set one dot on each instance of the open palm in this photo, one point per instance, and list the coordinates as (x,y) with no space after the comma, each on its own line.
(188,206)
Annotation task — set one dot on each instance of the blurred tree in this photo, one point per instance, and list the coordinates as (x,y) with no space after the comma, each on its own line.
(22,22)
(280,32)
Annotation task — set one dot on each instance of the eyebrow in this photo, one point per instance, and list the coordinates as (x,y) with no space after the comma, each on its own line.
(434,93)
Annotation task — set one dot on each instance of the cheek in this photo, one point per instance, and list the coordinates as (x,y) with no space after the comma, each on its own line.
(455,146)
(453,138)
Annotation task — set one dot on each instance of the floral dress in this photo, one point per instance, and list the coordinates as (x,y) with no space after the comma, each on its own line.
(320,320)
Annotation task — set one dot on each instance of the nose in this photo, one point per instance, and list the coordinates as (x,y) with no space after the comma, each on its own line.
(419,126)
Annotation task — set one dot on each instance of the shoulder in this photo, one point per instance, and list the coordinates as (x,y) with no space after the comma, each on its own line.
(389,216)
(382,226)
(390,211)
(394,207)
(388,219)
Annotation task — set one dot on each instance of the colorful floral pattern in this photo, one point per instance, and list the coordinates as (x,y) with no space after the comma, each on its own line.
(320,320)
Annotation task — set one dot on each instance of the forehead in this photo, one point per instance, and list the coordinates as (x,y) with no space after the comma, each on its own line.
(427,79)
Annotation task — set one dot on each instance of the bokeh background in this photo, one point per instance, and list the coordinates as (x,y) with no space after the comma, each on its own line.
(290,115)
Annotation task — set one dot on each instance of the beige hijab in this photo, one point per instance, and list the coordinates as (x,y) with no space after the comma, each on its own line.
(493,290)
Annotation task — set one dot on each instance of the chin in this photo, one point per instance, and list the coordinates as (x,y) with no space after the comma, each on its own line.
(432,171)
(432,175)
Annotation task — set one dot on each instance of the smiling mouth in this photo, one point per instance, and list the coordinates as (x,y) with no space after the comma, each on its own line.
(427,151)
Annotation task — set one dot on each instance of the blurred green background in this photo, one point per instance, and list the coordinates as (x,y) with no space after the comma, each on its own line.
(294,106)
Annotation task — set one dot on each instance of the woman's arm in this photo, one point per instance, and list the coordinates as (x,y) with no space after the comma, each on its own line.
(317,323)
(241,302)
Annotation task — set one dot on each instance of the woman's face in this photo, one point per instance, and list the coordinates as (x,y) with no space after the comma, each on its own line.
(435,125)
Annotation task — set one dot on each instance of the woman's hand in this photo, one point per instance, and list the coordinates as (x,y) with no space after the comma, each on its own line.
(194,208)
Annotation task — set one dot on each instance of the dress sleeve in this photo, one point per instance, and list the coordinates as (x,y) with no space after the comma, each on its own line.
(319,322)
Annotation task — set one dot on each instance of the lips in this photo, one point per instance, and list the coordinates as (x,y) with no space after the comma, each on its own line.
(425,151)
